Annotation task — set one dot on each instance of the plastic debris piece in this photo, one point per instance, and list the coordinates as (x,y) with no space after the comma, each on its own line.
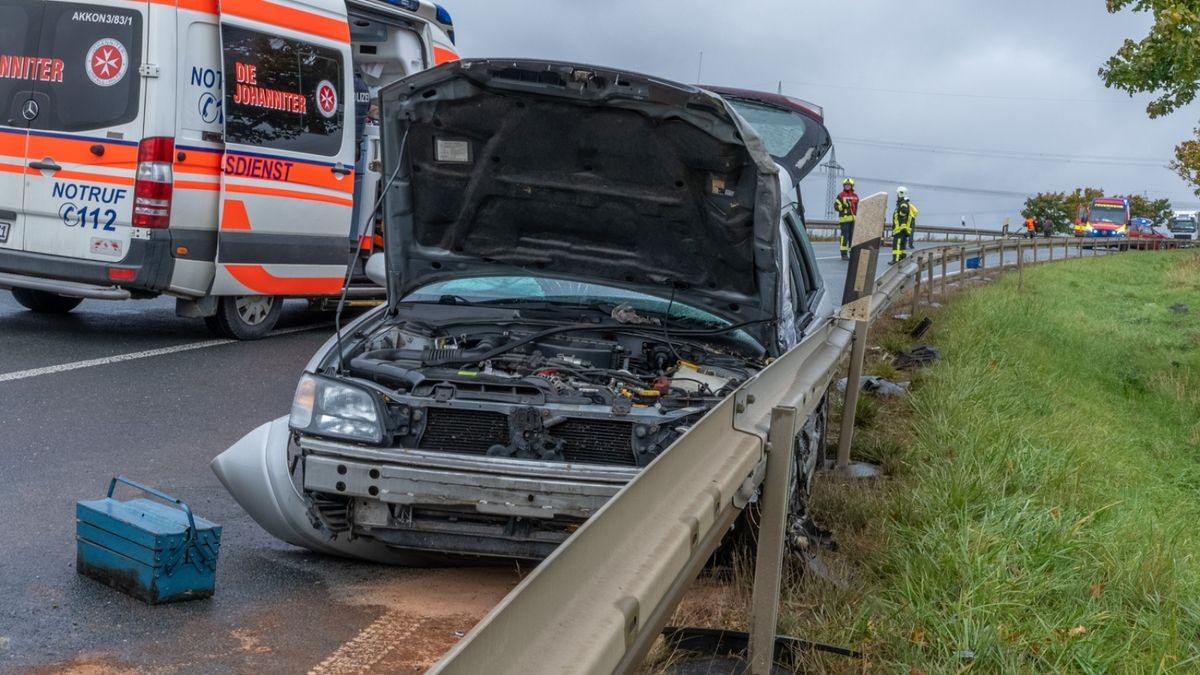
(921,327)
(874,384)
(917,357)
(1179,308)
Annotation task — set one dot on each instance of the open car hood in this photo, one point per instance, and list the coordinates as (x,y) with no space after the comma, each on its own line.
(583,173)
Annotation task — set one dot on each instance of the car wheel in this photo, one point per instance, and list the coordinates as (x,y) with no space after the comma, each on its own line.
(245,317)
(45,302)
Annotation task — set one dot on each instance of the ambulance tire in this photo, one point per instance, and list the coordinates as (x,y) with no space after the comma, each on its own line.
(44,302)
(245,317)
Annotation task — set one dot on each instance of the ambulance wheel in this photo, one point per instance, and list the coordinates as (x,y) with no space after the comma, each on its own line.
(245,317)
(44,302)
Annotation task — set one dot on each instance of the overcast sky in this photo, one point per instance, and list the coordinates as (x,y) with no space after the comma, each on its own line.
(1001,97)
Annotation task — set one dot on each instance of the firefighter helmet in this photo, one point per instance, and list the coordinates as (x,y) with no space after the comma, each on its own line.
(902,192)
(848,182)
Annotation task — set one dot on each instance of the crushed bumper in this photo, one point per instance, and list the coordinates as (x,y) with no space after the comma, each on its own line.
(255,471)
(403,503)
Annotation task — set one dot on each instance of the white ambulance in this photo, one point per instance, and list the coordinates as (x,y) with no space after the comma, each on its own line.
(204,149)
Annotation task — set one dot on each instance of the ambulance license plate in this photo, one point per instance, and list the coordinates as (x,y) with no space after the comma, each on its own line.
(4,227)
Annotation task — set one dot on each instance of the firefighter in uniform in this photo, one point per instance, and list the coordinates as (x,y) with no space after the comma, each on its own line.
(904,218)
(846,206)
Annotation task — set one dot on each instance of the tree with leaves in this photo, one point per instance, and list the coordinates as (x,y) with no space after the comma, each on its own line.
(1167,63)
(1052,206)
(1157,210)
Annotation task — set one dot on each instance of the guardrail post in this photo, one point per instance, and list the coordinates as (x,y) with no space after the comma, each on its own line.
(856,306)
(943,273)
(916,295)
(1050,250)
(1035,251)
(962,262)
(1020,266)
(929,279)
(768,561)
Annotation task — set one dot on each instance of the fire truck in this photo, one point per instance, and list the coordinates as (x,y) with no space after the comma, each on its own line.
(1104,217)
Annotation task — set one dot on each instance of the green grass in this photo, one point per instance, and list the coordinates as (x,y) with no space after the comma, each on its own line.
(1043,497)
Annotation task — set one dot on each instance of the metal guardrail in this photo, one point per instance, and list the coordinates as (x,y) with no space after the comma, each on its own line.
(830,228)
(599,602)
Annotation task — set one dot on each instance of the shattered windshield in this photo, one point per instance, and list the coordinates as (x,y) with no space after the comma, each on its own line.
(499,289)
(780,129)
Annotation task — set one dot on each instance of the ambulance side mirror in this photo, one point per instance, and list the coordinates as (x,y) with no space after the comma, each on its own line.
(377,269)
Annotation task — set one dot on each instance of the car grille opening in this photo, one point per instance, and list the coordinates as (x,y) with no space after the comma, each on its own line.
(596,441)
(472,432)
(469,432)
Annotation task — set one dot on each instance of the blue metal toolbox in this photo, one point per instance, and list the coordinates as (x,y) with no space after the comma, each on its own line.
(155,553)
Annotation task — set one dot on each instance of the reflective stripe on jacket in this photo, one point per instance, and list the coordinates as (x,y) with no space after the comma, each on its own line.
(905,216)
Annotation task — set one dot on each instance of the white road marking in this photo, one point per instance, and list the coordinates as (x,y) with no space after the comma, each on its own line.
(145,354)
(831,257)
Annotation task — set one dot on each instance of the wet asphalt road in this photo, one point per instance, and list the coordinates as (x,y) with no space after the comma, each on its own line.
(160,420)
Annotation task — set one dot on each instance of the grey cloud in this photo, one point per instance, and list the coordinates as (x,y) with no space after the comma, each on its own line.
(1018,48)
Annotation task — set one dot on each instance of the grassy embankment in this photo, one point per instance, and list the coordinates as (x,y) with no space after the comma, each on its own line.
(1041,507)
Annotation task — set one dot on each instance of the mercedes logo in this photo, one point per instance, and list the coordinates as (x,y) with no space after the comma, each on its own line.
(29,110)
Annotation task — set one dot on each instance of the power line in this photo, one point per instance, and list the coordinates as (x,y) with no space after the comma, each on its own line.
(995,97)
(1006,154)
(949,188)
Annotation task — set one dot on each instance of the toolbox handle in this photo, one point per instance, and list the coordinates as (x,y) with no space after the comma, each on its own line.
(157,493)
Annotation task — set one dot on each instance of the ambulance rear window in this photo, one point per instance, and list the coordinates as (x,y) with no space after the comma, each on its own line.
(282,93)
(77,63)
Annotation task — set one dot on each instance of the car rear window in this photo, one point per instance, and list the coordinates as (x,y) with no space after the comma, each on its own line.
(282,93)
(78,63)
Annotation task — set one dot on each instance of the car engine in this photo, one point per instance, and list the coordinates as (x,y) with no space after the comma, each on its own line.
(550,391)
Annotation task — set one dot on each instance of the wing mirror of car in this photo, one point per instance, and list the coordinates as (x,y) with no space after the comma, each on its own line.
(377,269)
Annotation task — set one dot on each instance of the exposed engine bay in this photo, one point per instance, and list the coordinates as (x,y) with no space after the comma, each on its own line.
(552,391)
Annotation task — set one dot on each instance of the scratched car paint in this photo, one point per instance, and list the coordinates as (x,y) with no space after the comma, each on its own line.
(581,263)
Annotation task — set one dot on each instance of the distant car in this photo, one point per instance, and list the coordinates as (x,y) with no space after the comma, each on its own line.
(580,262)
(1142,229)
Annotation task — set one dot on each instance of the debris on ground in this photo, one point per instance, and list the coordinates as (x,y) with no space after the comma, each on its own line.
(917,357)
(1179,308)
(873,384)
(921,327)
(624,313)
(902,316)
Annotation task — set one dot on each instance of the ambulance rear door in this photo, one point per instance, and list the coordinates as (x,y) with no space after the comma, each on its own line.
(83,97)
(20,29)
(287,178)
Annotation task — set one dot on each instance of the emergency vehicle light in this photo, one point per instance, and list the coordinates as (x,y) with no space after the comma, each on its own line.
(152,189)
(443,16)
(410,5)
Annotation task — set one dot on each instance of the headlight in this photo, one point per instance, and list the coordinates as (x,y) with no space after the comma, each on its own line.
(330,408)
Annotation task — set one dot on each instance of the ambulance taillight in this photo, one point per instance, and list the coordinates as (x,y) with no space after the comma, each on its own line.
(152,189)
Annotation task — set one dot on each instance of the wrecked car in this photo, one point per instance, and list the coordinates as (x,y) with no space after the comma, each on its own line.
(580,262)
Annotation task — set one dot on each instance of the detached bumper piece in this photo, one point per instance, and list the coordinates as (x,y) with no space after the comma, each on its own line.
(154,552)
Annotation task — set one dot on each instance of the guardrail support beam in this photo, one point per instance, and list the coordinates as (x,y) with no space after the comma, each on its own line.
(768,562)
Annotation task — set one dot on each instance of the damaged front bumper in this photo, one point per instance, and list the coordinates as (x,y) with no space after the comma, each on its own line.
(396,506)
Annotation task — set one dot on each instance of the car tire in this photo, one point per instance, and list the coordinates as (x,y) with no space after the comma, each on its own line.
(44,302)
(245,317)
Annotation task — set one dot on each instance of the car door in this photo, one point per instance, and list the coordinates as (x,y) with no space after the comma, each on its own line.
(20,30)
(287,172)
(83,98)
